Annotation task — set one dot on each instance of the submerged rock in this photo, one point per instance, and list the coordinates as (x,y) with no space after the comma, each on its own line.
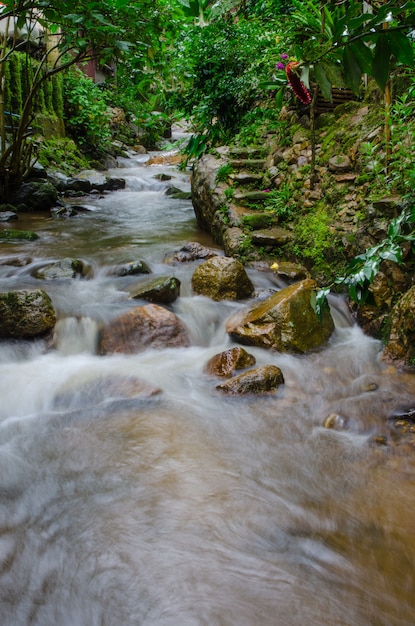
(225,363)
(149,326)
(25,314)
(79,394)
(259,380)
(161,289)
(10,234)
(222,278)
(285,322)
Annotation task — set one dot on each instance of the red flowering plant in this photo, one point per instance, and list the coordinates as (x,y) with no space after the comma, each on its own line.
(294,74)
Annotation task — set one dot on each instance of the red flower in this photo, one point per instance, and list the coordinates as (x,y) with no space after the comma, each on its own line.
(296,84)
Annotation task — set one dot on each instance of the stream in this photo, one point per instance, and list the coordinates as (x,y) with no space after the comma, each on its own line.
(191,508)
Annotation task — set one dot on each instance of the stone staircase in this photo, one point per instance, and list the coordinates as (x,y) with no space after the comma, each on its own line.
(249,208)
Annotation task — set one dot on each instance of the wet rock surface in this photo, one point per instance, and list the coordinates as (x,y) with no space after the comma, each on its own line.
(26,314)
(222,278)
(192,251)
(225,363)
(285,322)
(149,326)
(401,344)
(132,268)
(161,289)
(63,269)
(267,378)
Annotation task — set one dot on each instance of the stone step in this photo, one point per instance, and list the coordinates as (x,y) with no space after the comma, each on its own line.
(245,197)
(274,237)
(249,164)
(246,178)
(258,220)
(252,152)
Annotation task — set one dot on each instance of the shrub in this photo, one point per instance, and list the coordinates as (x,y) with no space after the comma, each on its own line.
(86,113)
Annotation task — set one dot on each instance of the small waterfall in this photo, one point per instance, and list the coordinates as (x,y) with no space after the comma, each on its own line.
(74,335)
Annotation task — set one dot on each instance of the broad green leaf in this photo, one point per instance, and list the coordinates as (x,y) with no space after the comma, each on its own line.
(323,81)
(352,70)
(363,56)
(353,293)
(401,47)
(392,254)
(279,97)
(381,61)
(318,301)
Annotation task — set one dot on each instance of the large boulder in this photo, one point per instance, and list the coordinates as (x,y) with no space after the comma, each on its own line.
(207,195)
(37,195)
(100,182)
(401,345)
(259,380)
(25,314)
(285,322)
(222,278)
(149,326)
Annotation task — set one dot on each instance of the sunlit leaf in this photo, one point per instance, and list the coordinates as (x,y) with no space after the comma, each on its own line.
(318,301)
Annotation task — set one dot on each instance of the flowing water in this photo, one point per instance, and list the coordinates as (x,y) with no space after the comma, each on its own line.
(189,508)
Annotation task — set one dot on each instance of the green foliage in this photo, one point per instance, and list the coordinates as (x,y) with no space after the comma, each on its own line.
(19,72)
(62,154)
(362,269)
(86,112)
(258,122)
(225,62)
(223,173)
(313,237)
(342,33)
(229,193)
(398,176)
(401,171)
(280,201)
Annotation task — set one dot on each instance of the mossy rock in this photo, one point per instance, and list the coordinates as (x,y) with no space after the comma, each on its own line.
(258,221)
(160,290)
(25,314)
(12,234)
(222,278)
(285,322)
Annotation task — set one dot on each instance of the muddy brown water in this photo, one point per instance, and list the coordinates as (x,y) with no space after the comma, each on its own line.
(188,508)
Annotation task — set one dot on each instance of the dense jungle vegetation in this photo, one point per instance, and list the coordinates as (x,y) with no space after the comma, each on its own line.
(226,68)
